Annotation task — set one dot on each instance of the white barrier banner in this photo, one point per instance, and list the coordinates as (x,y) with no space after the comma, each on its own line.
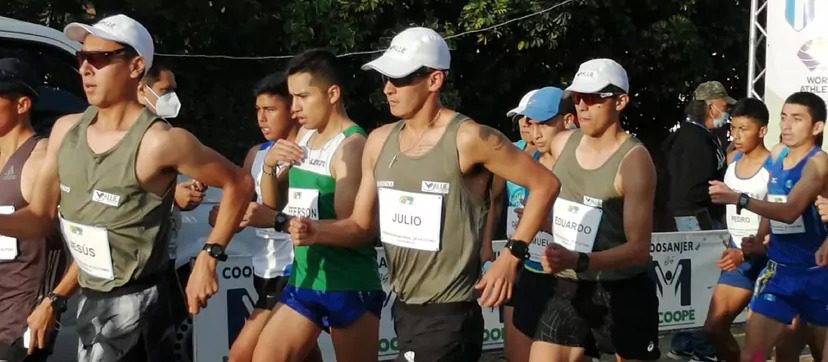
(684,267)
(797,54)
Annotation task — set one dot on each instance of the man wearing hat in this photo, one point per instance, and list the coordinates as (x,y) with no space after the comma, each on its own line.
(30,266)
(112,171)
(602,226)
(695,156)
(425,180)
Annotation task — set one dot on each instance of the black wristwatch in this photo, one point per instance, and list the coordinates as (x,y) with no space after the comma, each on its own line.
(583,263)
(58,302)
(742,203)
(216,251)
(280,221)
(520,249)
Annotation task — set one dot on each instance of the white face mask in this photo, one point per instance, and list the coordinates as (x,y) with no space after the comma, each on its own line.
(166,106)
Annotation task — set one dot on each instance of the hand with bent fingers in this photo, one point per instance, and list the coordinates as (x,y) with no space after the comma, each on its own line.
(284,152)
(721,194)
(751,246)
(258,215)
(822,207)
(302,231)
(822,255)
(556,259)
(202,284)
(731,259)
(495,287)
(190,194)
(41,322)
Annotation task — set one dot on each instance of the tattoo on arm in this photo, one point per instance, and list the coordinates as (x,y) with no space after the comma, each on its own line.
(492,137)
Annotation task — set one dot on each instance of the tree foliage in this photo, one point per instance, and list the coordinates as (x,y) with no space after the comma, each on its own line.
(667,47)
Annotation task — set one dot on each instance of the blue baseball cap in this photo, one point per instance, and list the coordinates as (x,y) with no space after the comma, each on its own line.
(543,104)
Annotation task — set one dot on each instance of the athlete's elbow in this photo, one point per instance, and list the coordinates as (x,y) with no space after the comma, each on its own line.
(546,184)
(243,185)
(640,255)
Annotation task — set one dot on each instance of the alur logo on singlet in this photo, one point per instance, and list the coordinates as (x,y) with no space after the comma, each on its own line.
(106,198)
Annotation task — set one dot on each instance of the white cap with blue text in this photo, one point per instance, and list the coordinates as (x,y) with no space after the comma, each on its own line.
(595,75)
(120,29)
(411,50)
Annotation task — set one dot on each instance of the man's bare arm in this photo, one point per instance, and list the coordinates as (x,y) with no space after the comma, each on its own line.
(495,209)
(361,226)
(37,220)
(190,158)
(487,146)
(802,196)
(638,179)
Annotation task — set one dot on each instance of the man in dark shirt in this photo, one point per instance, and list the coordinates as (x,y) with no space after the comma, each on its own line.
(695,155)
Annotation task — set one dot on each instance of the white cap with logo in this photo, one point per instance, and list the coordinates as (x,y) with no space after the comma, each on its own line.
(596,74)
(411,50)
(118,28)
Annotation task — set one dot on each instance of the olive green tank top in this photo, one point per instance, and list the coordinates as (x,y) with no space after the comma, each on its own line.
(117,231)
(589,208)
(430,222)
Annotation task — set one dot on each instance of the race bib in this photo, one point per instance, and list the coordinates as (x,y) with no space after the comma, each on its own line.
(781,228)
(410,220)
(741,225)
(267,233)
(576,225)
(687,223)
(8,245)
(303,202)
(538,245)
(512,220)
(90,248)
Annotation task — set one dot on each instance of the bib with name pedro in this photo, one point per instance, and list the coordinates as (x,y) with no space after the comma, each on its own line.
(116,231)
(311,194)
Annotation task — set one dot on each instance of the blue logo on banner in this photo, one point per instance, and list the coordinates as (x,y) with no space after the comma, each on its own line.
(799,13)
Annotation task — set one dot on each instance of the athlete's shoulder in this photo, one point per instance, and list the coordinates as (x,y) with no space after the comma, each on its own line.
(380,134)
(776,151)
(472,135)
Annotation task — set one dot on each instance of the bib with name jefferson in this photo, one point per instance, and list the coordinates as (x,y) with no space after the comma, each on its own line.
(311,194)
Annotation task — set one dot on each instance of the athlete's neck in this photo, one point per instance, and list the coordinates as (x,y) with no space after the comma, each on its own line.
(798,152)
(118,116)
(291,134)
(547,159)
(425,117)
(337,122)
(758,152)
(16,137)
(609,138)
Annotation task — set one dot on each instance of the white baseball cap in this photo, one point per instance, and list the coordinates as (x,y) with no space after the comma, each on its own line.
(597,74)
(410,50)
(117,28)
(522,105)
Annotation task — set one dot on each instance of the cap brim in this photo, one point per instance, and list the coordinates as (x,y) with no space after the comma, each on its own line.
(730,100)
(8,87)
(390,67)
(78,32)
(514,112)
(582,86)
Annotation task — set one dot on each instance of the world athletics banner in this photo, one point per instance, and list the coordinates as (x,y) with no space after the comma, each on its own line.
(797,54)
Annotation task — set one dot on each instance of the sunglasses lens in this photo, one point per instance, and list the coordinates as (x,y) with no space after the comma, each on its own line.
(97,60)
(588,98)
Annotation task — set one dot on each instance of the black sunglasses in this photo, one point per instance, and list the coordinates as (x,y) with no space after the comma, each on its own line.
(99,59)
(408,79)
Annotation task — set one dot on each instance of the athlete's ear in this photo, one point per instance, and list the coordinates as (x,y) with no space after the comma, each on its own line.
(137,67)
(621,102)
(334,93)
(818,127)
(763,131)
(436,80)
(24,105)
